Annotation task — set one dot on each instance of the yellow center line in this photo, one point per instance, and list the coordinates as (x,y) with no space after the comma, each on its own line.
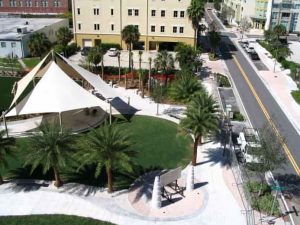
(267,115)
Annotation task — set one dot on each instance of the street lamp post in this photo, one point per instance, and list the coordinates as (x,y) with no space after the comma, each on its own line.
(228,126)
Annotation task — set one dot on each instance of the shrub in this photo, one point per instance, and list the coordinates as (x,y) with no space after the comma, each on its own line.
(222,80)
(264,204)
(237,116)
(296,96)
(254,187)
(72,49)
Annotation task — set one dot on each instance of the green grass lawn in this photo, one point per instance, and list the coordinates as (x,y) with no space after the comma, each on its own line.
(50,220)
(6,84)
(158,144)
(31,62)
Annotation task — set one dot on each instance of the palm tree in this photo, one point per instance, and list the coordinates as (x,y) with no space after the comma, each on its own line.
(6,145)
(187,56)
(196,12)
(51,148)
(107,146)
(64,35)
(142,77)
(185,87)
(214,39)
(164,62)
(38,44)
(130,34)
(140,67)
(149,75)
(279,30)
(119,63)
(199,121)
(204,100)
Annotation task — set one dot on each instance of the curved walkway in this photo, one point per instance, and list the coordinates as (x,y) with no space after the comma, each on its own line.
(220,205)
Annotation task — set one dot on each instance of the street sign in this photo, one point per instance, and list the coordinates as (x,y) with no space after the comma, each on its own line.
(278,188)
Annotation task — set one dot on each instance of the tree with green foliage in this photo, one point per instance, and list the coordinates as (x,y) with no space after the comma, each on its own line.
(279,31)
(106,146)
(51,148)
(64,35)
(196,12)
(244,26)
(130,35)
(185,87)
(200,121)
(95,56)
(187,56)
(38,44)
(217,5)
(164,63)
(6,149)
(214,38)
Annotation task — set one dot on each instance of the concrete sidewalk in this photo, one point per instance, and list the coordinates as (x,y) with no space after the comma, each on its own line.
(279,83)
(219,207)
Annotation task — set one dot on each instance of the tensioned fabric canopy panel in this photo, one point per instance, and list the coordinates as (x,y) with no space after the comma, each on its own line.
(56,92)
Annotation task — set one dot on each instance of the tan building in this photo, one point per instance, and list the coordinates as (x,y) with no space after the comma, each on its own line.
(159,21)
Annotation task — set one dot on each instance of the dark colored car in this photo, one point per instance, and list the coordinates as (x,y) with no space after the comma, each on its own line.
(85,51)
(254,56)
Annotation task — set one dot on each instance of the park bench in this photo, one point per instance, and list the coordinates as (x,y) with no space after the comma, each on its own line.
(169,184)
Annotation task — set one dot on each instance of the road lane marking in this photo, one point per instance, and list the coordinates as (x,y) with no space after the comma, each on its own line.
(267,115)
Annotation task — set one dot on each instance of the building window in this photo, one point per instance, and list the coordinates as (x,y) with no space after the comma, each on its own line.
(175,14)
(79,26)
(78,11)
(12,3)
(153,12)
(96,26)
(129,12)
(137,26)
(112,12)
(46,3)
(136,12)
(3,45)
(174,30)
(182,14)
(21,3)
(162,29)
(36,4)
(112,27)
(152,28)
(96,11)
(181,30)
(13,44)
(56,3)
(162,13)
(1,3)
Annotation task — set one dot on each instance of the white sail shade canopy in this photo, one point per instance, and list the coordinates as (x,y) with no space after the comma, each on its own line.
(54,93)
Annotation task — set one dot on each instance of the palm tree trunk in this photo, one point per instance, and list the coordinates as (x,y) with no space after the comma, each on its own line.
(102,68)
(149,77)
(143,90)
(195,38)
(109,180)
(129,60)
(58,181)
(119,71)
(194,159)
(1,179)
(139,81)
(125,80)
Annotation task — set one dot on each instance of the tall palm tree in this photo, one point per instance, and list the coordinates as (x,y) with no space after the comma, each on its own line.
(6,145)
(164,62)
(149,75)
(52,148)
(107,146)
(142,77)
(38,44)
(140,67)
(130,35)
(196,12)
(204,100)
(199,121)
(64,35)
(119,64)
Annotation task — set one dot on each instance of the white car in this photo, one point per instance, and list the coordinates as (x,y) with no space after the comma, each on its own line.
(250,49)
(112,52)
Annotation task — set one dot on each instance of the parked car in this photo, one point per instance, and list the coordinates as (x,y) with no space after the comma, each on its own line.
(244,44)
(254,56)
(85,51)
(250,49)
(112,52)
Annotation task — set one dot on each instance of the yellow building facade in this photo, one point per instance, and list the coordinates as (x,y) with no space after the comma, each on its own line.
(159,21)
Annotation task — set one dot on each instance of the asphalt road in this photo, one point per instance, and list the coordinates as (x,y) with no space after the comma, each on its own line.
(252,107)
